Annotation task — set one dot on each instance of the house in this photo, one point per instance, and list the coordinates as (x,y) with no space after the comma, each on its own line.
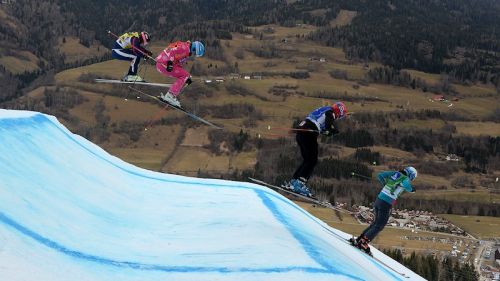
(208,81)
(219,79)
(422,218)
(247,77)
(258,77)
(452,157)
(410,225)
(435,225)
(438,98)
(234,76)
(322,59)
(402,222)
(268,29)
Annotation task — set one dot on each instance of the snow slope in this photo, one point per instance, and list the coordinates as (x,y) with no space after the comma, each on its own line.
(71,211)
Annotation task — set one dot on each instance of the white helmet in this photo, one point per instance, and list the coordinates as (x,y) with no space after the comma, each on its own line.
(411,172)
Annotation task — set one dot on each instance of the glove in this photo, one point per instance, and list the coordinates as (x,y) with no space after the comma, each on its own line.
(326,133)
(170,66)
(189,81)
(148,52)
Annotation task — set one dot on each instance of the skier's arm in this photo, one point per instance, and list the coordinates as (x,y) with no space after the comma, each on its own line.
(381,177)
(178,54)
(330,126)
(407,185)
(138,49)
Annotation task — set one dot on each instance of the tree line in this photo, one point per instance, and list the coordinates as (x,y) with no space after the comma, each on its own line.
(455,37)
(433,269)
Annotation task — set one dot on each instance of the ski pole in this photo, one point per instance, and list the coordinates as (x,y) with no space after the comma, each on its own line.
(360,176)
(292,129)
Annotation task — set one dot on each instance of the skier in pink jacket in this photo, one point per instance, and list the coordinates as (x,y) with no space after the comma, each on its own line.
(169,63)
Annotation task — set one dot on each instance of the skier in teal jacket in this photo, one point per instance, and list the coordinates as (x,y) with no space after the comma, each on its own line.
(395,183)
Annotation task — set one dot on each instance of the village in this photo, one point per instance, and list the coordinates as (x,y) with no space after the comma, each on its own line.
(465,248)
(418,220)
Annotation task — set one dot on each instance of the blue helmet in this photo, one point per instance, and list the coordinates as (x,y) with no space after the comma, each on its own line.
(411,172)
(197,48)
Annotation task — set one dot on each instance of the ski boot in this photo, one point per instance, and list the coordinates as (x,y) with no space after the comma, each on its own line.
(287,185)
(299,186)
(133,78)
(171,99)
(362,244)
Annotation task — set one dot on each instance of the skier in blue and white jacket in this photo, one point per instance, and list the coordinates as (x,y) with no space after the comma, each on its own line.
(130,47)
(320,121)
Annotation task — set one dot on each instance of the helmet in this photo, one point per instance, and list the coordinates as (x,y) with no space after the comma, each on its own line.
(339,110)
(197,48)
(411,172)
(145,37)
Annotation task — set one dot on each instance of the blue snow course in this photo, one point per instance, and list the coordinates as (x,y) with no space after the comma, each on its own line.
(71,211)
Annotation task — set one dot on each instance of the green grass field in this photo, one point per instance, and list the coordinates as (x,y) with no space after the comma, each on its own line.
(477,128)
(74,51)
(481,227)
(16,65)
(460,195)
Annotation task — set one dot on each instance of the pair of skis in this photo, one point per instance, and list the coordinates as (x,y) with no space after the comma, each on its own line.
(157,98)
(305,198)
(114,81)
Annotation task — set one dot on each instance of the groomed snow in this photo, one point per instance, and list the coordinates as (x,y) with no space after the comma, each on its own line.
(71,211)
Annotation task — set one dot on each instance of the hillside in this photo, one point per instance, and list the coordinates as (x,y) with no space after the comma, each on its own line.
(247,107)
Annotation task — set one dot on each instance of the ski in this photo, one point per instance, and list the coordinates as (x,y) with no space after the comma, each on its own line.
(112,81)
(192,115)
(306,198)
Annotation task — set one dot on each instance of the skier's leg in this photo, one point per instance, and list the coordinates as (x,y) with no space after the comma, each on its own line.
(127,54)
(308,144)
(182,76)
(311,156)
(301,142)
(134,66)
(123,54)
(382,212)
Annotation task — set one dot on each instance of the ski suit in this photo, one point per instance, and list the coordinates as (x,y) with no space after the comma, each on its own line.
(321,121)
(395,183)
(176,54)
(128,47)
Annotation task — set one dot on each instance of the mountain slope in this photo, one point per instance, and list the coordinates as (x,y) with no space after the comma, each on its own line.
(71,211)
